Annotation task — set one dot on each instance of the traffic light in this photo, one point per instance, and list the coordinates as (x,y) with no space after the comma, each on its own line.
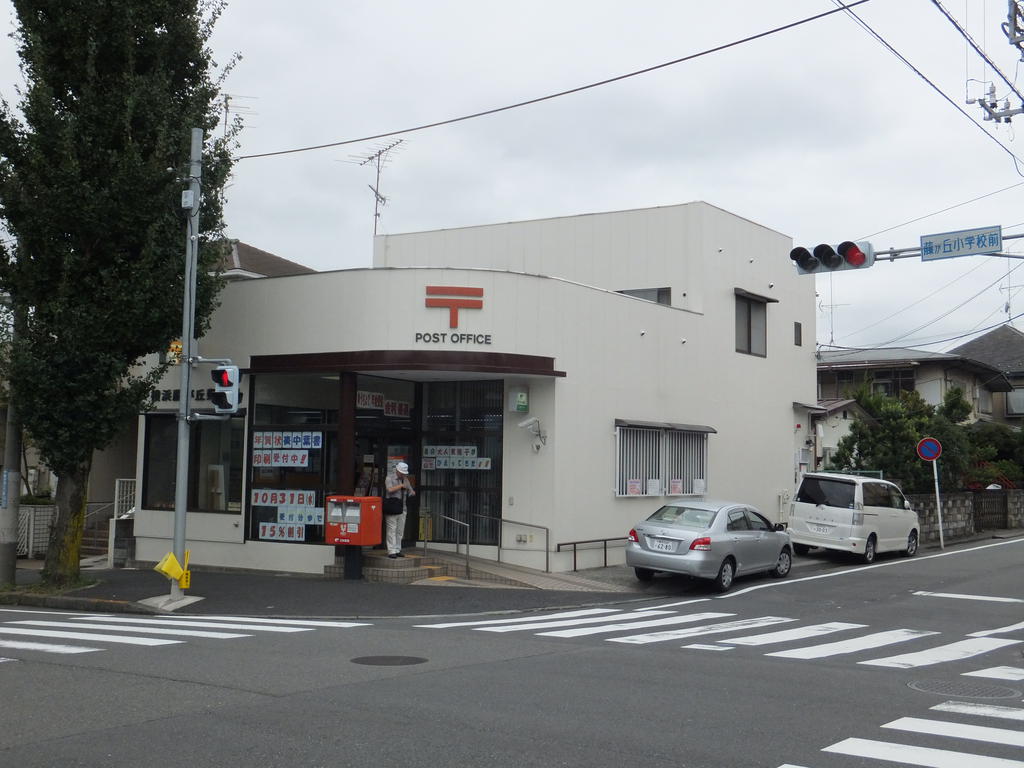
(826,258)
(225,393)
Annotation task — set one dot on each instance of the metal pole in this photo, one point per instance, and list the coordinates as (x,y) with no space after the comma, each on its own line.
(938,501)
(10,493)
(188,352)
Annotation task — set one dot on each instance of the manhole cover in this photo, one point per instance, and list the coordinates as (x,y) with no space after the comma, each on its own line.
(389,661)
(970,690)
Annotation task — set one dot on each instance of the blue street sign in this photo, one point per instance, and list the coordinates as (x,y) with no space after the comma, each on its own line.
(963,242)
(929,449)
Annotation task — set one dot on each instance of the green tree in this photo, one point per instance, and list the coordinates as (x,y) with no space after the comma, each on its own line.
(91,173)
(890,442)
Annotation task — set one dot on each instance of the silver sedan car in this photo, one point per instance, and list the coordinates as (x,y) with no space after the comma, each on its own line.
(715,540)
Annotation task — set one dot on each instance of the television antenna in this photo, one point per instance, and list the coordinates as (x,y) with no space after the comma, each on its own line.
(378,158)
(229,106)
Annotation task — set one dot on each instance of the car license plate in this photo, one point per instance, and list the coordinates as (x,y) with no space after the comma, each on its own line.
(823,529)
(663,545)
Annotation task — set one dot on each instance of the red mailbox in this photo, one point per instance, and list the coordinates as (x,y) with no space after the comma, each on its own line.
(353,520)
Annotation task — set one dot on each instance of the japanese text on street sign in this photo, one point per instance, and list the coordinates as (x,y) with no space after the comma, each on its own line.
(965,242)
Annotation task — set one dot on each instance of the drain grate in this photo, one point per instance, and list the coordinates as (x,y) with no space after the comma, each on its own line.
(389,661)
(967,689)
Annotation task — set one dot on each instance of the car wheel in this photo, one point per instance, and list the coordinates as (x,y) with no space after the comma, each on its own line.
(911,549)
(801,549)
(783,565)
(869,549)
(726,572)
(644,574)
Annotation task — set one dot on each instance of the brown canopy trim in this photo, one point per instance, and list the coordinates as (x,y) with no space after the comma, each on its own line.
(497,363)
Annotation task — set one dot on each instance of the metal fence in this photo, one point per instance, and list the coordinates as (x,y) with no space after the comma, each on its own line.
(34,530)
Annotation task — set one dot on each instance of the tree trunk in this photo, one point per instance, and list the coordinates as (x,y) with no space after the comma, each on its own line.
(62,555)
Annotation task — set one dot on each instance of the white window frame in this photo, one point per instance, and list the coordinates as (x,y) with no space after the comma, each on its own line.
(647,454)
(1016,395)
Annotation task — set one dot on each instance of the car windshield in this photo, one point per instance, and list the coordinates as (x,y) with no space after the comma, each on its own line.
(823,490)
(687,517)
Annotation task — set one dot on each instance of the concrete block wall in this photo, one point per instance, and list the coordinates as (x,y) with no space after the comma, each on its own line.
(1015,507)
(957,515)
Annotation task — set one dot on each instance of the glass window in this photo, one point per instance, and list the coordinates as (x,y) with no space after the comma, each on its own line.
(737,521)
(751,327)
(215,464)
(685,517)
(1015,402)
(798,334)
(657,295)
(876,495)
(831,493)
(756,522)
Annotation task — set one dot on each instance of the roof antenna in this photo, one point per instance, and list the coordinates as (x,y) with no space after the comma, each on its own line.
(378,158)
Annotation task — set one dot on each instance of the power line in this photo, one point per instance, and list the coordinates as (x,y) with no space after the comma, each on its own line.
(539,99)
(919,73)
(928,343)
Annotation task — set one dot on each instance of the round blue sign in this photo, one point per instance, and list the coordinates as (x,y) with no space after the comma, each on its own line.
(929,449)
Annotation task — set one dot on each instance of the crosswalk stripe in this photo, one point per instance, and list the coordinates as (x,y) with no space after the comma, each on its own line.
(926,757)
(787,635)
(45,613)
(708,629)
(568,622)
(8,630)
(982,710)
(983,598)
(281,622)
(201,624)
(19,645)
(958,731)
(998,673)
(999,631)
(864,643)
(707,647)
(963,649)
(563,615)
(687,619)
(126,628)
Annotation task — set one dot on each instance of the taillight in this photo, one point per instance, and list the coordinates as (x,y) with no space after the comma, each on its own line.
(703,544)
(632,535)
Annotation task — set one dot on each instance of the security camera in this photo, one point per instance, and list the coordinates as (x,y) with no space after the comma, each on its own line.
(533,421)
(771,285)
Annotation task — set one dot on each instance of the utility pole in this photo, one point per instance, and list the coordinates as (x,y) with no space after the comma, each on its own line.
(10,489)
(190,202)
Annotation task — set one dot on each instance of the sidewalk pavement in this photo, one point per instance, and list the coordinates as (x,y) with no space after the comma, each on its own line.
(270,594)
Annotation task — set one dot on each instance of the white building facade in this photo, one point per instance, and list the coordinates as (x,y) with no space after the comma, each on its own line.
(690,384)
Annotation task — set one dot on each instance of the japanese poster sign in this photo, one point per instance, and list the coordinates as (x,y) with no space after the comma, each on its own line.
(280,532)
(268,440)
(370,400)
(964,242)
(280,458)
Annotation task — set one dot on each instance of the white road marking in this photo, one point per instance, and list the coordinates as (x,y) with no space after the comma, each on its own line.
(958,731)
(786,635)
(281,622)
(3,659)
(903,562)
(999,631)
(686,619)
(18,645)
(202,624)
(998,673)
(46,613)
(708,629)
(920,756)
(864,643)
(982,710)
(131,628)
(964,649)
(983,598)
(675,605)
(541,624)
(705,647)
(564,615)
(9,630)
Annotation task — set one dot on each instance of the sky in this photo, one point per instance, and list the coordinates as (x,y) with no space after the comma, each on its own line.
(819,131)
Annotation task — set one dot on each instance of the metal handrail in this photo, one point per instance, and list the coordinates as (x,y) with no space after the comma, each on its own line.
(466,526)
(503,520)
(558,547)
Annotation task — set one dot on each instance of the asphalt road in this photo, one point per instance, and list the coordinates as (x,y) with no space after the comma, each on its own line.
(913,662)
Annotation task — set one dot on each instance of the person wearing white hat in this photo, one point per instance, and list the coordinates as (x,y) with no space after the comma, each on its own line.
(398,486)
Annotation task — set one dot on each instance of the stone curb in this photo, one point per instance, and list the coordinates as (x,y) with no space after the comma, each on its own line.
(94,605)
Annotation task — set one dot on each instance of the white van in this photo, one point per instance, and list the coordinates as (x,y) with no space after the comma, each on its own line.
(852,514)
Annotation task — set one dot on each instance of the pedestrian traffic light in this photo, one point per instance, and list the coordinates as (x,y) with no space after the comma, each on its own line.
(827,258)
(225,393)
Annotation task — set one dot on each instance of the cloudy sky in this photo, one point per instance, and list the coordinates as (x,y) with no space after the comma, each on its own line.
(819,131)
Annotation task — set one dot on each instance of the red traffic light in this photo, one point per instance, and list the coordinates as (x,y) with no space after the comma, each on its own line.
(853,255)
(221,377)
(828,258)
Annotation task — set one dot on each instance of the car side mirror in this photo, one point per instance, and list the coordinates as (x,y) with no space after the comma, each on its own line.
(906,504)
(780,526)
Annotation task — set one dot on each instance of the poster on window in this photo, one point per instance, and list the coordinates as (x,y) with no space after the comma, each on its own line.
(267,441)
(675,486)
(281,532)
(633,487)
(653,486)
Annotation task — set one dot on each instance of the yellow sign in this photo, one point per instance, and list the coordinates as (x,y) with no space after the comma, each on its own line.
(172,569)
(174,350)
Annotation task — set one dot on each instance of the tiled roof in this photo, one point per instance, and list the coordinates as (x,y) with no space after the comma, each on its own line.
(1002,348)
(244,260)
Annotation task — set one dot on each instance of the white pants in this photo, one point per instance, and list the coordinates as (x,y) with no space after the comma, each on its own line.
(394,527)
